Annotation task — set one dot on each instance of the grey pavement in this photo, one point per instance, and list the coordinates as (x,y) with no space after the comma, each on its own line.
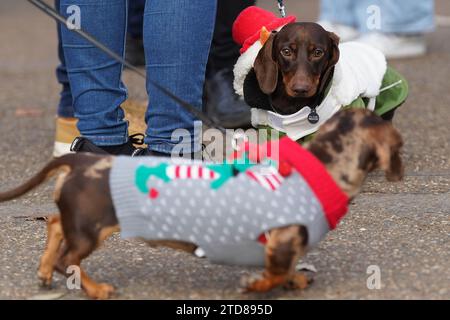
(403,228)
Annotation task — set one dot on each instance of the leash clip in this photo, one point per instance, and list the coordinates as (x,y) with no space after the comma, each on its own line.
(282,8)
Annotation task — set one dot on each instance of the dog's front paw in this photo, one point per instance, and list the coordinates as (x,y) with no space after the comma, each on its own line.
(101,291)
(247,280)
(260,283)
(298,281)
(46,277)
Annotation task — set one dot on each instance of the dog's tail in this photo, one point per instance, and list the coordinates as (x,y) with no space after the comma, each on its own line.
(50,170)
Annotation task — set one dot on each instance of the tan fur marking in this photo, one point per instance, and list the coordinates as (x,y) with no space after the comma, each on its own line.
(94,171)
(95,290)
(106,233)
(48,259)
(51,173)
(65,170)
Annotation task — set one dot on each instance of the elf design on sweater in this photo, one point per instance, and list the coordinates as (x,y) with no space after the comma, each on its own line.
(361,79)
(225,208)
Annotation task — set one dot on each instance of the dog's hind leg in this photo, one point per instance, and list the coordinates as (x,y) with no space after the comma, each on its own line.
(72,257)
(283,249)
(50,255)
(79,248)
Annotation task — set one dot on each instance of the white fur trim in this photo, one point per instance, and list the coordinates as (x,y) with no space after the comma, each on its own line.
(244,65)
(359,72)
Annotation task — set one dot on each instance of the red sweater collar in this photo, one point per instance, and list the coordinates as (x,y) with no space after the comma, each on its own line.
(334,201)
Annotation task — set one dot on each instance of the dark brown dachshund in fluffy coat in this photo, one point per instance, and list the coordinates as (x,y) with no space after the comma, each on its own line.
(296,64)
(351,144)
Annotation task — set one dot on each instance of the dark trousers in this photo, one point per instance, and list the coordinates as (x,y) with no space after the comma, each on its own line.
(224,51)
(65,108)
(136,18)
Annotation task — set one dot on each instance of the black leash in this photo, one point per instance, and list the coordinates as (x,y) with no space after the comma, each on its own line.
(282,8)
(50,11)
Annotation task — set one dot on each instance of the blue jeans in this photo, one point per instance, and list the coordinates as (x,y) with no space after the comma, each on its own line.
(135,28)
(65,108)
(177,37)
(399,16)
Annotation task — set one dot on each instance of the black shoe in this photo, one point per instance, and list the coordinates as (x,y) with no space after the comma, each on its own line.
(135,52)
(82,144)
(223,104)
(145,152)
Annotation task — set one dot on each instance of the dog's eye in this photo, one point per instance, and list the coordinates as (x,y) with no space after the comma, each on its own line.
(318,53)
(286,52)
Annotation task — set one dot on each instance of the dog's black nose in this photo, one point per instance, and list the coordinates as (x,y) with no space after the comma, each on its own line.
(301,89)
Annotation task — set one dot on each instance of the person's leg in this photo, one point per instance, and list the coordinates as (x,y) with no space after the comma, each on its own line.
(136,18)
(338,11)
(224,51)
(177,38)
(65,108)
(135,47)
(95,78)
(65,125)
(399,17)
(338,16)
(221,101)
(401,26)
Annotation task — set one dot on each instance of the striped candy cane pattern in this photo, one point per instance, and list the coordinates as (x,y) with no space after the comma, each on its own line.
(190,172)
(268,178)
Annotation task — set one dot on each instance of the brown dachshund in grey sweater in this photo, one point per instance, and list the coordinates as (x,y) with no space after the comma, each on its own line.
(350,145)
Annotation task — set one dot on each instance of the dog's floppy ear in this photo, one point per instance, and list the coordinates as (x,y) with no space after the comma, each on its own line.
(266,68)
(388,153)
(335,49)
(332,60)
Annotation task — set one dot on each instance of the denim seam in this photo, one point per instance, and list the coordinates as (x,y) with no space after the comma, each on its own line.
(164,148)
(107,140)
(90,68)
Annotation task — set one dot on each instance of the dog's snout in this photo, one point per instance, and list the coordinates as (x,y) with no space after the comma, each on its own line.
(301,88)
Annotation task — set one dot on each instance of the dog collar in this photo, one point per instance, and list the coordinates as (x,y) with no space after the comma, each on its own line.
(296,125)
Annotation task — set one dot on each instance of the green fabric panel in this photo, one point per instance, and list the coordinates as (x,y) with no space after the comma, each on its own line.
(389,99)
(393,97)
(307,138)
(359,103)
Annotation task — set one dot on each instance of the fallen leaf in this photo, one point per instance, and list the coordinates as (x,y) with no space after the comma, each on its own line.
(31,218)
(303,266)
(48,296)
(29,112)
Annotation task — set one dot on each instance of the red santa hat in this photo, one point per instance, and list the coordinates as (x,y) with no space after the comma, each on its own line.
(250,30)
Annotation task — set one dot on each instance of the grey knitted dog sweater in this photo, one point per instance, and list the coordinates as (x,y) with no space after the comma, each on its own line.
(221,210)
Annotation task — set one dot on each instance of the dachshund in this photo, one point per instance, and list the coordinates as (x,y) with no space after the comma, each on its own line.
(349,145)
(296,64)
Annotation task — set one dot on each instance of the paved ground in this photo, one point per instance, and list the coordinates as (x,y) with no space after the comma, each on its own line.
(404,228)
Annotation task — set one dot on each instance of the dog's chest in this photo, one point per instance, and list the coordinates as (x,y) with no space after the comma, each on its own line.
(209,205)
